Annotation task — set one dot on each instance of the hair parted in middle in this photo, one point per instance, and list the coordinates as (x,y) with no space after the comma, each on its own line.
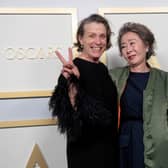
(91,19)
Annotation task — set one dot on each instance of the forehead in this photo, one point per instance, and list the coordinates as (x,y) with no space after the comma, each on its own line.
(130,36)
(94,27)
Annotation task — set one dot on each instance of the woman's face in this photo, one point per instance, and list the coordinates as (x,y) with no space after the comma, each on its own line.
(94,41)
(133,49)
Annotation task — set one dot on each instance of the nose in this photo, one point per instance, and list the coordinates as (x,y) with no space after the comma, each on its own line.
(98,40)
(129,49)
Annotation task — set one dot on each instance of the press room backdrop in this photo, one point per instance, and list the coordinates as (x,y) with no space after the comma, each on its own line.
(29,137)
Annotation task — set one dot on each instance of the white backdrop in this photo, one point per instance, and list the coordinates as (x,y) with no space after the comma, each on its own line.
(13,147)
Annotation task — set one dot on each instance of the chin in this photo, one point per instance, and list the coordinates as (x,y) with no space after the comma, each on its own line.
(97,57)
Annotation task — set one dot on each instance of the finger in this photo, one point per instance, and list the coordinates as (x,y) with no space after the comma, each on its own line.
(67,70)
(65,74)
(61,58)
(70,54)
(69,66)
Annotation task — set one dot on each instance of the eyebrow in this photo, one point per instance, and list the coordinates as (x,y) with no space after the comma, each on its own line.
(129,40)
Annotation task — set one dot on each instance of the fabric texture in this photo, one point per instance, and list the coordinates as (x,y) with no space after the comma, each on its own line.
(131,129)
(91,129)
(155,114)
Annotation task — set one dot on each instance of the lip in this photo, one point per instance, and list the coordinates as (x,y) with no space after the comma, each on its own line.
(97,48)
(131,57)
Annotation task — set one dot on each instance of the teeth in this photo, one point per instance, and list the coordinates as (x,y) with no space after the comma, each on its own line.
(97,48)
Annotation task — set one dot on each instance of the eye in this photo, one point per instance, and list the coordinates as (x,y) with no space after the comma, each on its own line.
(103,36)
(132,43)
(92,35)
(123,46)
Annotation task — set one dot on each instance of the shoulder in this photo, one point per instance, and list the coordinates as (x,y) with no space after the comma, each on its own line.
(76,61)
(160,73)
(160,77)
(100,68)
(119,71)
(80,63)
(102,65)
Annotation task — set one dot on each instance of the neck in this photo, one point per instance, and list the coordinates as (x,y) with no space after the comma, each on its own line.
(96,60)
(140,68)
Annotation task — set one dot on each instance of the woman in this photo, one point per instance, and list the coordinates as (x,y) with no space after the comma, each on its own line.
(85,99)
(143,99)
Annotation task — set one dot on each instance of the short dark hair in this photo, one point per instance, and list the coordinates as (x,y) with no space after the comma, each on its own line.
(97,19)
(142,31)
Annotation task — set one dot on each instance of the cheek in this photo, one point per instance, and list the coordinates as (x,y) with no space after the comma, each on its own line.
(104,41)
(142,52)
(124,57)
(89,41)
(123,54)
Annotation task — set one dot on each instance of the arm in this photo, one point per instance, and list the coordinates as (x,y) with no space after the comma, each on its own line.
(60,105)
(62,101)
(71,104)
(69,70)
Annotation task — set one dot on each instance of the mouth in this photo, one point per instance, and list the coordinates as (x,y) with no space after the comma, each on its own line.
(97,49)
(131,57)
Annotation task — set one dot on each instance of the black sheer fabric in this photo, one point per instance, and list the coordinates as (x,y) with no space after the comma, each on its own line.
(92,128)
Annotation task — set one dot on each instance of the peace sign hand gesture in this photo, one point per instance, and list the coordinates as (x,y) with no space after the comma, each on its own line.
(68,66)
(69,69)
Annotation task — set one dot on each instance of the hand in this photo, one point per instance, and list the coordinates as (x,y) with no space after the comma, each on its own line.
(68,66)
(68,69)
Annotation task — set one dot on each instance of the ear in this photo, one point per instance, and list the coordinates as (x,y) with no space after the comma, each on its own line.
(80,40)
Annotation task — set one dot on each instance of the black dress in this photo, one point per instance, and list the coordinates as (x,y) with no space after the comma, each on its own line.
(131,129)
(91,129)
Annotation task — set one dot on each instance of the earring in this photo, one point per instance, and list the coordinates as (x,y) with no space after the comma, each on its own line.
(82,46)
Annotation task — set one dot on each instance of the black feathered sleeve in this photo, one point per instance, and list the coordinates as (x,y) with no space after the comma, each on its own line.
(60,105)
(88,110)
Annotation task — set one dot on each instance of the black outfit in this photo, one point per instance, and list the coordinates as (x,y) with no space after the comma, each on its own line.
(92,128)
(131,130)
